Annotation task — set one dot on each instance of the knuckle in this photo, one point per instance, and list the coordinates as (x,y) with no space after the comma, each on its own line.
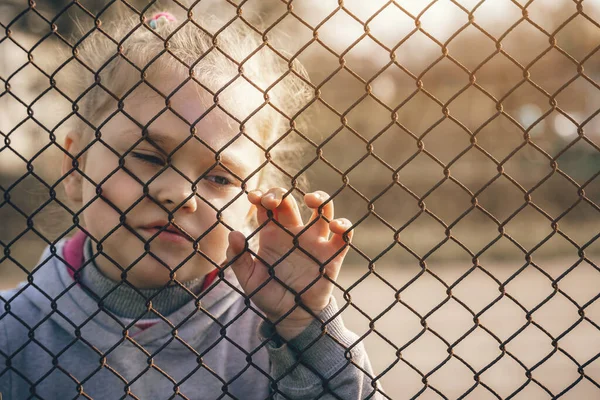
(278,192)
(322,195)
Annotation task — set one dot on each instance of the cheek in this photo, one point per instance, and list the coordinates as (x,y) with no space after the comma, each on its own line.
(122,190)
(119,190)
(240,213)
(237,215)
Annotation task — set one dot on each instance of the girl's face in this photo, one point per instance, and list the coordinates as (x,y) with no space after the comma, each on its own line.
(217,195)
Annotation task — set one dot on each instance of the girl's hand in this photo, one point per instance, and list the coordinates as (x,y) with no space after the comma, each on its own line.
(296,270)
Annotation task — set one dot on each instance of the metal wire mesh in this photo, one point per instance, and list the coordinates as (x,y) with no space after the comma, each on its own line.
(423,177)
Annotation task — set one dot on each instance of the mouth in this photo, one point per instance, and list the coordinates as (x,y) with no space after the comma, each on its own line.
(170,232)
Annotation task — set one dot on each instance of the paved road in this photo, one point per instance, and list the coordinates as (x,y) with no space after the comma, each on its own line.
(479,349)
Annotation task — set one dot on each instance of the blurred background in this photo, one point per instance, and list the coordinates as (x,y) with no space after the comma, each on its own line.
(460,136)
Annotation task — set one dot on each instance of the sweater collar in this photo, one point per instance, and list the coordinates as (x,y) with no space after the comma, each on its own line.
(54,291)
(124,300)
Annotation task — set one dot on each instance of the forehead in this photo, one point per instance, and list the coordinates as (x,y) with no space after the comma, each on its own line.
(171,119)
(214,95)
(189,107)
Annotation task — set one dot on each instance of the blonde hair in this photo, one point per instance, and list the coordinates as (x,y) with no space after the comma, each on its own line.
(125,53)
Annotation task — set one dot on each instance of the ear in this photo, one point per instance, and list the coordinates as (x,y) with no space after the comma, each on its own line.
(72,179)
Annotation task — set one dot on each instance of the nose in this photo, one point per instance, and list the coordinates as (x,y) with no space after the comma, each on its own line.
(176,192)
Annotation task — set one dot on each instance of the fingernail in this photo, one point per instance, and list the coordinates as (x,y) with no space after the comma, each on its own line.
(269,196)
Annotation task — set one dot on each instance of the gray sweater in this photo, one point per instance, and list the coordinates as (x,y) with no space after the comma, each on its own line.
(57,343)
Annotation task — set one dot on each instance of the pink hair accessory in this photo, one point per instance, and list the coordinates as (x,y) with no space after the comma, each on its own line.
(161,17)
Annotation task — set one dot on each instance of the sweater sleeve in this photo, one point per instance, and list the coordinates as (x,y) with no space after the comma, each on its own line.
(324,361)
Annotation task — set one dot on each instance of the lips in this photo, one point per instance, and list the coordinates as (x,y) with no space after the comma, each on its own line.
(163,230)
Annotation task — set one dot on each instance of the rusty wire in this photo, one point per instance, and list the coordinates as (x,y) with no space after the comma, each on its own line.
(394,181)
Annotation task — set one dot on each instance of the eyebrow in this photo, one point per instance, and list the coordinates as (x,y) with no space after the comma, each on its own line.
(240,169)
(158,139)
(165,141)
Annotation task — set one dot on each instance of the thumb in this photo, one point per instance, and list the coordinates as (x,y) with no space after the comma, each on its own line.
(242,262)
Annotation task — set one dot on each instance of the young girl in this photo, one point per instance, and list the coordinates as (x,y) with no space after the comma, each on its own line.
(161,293)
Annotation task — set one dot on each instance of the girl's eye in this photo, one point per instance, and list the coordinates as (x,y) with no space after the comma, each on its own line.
(148,158)
(219,180)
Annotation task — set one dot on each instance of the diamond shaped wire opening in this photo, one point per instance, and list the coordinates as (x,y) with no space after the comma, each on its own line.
(459,137)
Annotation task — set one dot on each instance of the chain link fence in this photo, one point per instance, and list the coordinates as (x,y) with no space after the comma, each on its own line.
(460,138)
